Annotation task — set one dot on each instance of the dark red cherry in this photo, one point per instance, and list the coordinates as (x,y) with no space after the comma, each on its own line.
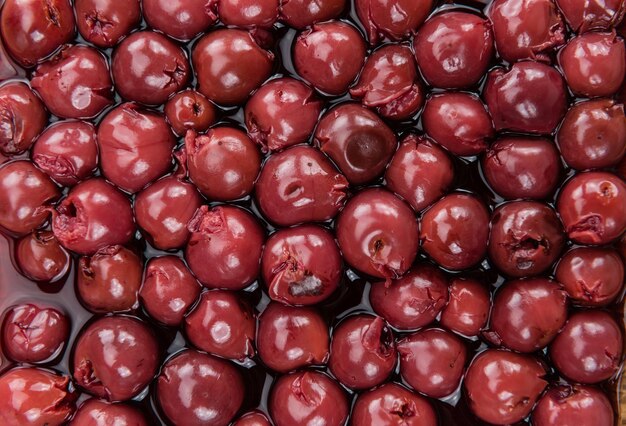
(22,118)
(468,309)
(115,358)
(135,146)
(454,49)
(67,151)
(30,396)
(189,110)
(248,13)
(389,83)
(282,113)
(502,387)
(363,352)
(583,16)
(34,333)
(168,289)
(33,29)
(290,338)
(526,238)
(412,301)
(83,221)
(396,21)
(182,20)
(222,324)
(589,348)
(233,53)
(224,249)
(94,412)
(109,281)
(592,206)
(223,164)
(526,29)
(454,231)
(300,185)
(591,276)
(105,22)
(76,83)
(432,361)
(329,56)
(253,418)
(41,257)
(301,265)
(529,97)
(195,388)
(304,13)
(357,140)
(573,405)
(308,397)
(24,192)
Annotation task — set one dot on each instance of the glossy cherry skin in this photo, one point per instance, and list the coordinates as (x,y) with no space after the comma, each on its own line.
(234,53)
(584,16)
(300,185)
(527,314)
(378,234)
(41,257)
(194,388)
(24,191)
(593,134)
(222,324)
(67,151)
(32,29)
(363,352)
(589,348)
(182,20)
(455,231)
(248,13)
(432,361)
(526,238)
(30,396)
(115,358)
(412,301)
(22,118)
(453,49)
(253,418)
(75,83)
(357,140)
(168,289)
(526,29)
(109,281)
(592,207)
(308,397)
(591,276)
(459,122)
(539,87)
(502,387)
(224,249)
(301,265)
(468,308)
(99,413)
(83,222)
(148,67)
(573,405)
(189,110)
(105,22)
(392,405)
(290,338)
(223,164)
(34,333)
(283,112)
(394,20)
(389,83)
(163,210)
(300,14)
(420,172)
(519,167)
(135,146)
(594,64)
(8,67)
(329,56)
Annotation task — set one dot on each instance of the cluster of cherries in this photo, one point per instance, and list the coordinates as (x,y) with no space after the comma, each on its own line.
(289,212)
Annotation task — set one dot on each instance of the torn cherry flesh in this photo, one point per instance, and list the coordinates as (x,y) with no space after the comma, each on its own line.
(22,118)
(105,22)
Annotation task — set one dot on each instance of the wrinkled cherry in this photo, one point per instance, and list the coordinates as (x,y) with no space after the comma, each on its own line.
(22,118)
(583,16)
(105,22)
(397,20)
(468,309)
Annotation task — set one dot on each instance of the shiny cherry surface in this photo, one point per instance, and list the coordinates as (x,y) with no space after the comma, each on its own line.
(22,118)
(397,20)
(105,22)
(189,110)
(468,308)
(182,20)
(94,412)
(577,404)
(41,257)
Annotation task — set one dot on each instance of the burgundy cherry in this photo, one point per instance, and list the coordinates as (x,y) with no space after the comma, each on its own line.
(573,405)
(468,309)
(94,412)
(189,110)
(584,16)
(105,22)
(41,257)
(22,118)
(181,20)
(302,13)
(248,13)
(396,21)
(253,418)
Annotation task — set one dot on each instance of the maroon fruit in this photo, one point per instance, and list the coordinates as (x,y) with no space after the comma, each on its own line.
(41,257)
(94,412)
(182,20)
(189,110)
(105,22)
(248,13)
(468,309)
(303,13)
(396,21)
(22,118)
(573,405)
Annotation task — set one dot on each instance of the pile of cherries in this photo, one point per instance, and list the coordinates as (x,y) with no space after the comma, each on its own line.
(312,212)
